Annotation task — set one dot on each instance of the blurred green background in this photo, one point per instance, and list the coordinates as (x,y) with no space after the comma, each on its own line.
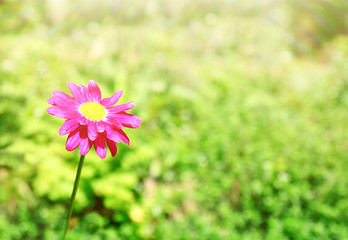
(244,107)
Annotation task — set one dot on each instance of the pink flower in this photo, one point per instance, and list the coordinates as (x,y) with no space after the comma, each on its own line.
(92,120)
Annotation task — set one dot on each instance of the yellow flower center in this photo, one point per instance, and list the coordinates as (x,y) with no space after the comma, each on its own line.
(93,111)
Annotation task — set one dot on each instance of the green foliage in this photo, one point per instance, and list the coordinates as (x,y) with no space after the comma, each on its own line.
(242,137)
(115,188)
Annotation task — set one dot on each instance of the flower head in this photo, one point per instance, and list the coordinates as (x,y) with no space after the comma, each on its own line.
(92,120)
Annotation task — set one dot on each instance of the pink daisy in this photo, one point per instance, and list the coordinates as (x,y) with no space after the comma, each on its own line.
(92,120)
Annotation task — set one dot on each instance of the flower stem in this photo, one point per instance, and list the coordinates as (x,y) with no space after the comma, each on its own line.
(73,194)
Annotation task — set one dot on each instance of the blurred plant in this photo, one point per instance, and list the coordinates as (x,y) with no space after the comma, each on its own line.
(314,23)
(209,73)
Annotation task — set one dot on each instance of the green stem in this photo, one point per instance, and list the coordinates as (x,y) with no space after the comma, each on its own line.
(72,199)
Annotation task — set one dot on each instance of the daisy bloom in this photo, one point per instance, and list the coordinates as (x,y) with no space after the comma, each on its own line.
(91,120)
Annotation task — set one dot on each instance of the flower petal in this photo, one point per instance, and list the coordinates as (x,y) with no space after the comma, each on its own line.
(68,126)
(83,120)
(116,135)
(123,136)
(60,112)
(50,101)
(121,108)
(85,94)
(126,120)
(67,107)
(112,120)
(92,131)
(85,146)
(79,92)
(101,125)
(63,99)
(73,140)
(108,102)
(85,143)
(111,134)
(99,145)
(75,90)
(112,146)
(94,91)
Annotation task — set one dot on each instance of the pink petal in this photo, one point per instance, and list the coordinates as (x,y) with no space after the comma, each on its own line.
(50,101)
(74,89)
(116,135)
(126,120)
(92,131)
(84,121)
(123,136)
(85,93)
(68,126)
(108,102)
(63,99)
(112,146)
(59,112)
(94,91)
(110,119)
(111,134)
(99,145)
(85,143)
(85,146)
(121,108)
(73,140)
(101,125)
(80,92)
(67,107)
